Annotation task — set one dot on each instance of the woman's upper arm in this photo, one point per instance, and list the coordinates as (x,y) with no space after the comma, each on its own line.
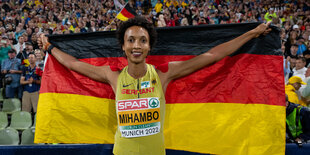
(179,69)
(98,73)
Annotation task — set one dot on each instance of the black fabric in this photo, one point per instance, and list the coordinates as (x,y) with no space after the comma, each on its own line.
(305,122)
(22,55)
(191,40)
(130,10)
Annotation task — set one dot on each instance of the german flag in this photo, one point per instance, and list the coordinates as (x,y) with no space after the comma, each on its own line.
(126,13)
(26,62)
(235,106)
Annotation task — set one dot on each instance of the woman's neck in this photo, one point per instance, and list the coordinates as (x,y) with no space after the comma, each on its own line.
(137,70)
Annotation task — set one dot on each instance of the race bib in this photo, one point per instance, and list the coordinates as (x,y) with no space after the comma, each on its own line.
(139,117)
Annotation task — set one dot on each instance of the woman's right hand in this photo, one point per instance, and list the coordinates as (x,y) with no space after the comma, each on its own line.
(43,42)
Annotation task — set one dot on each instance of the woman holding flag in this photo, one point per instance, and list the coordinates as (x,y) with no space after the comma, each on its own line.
(140,87)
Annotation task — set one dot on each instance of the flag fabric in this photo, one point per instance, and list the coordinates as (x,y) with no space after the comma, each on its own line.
(235,106)
(126,13)
(26,62)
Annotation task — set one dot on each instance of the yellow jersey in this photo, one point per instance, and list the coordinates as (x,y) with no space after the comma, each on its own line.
(140,110)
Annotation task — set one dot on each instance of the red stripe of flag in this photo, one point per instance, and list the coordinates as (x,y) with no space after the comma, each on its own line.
(238,79)
(127,14)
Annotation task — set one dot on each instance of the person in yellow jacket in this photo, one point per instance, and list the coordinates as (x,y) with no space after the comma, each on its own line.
(168,3)
(183,3)
(175,3)
(140,87)
(158,7)
(294,83)
(269,15)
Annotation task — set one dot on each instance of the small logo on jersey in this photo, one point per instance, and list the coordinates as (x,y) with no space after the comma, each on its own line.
(145,84)
(153,82)
(127,85)
(153,102)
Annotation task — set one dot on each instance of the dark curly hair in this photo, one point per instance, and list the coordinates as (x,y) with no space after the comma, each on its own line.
(137,21)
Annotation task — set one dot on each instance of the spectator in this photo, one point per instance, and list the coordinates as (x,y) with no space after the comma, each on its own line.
(30,81)
(306,55)
(184,22)
(20,46)
(301,46)
(40,59)
(158,6)
(93,27)
(23,56)
(11,68)
(305,89)
(300,68)
(297,132)
(286,63)
(161,21)
(34,41)
(291,90)
(5,46)
(293,51)
(292,61)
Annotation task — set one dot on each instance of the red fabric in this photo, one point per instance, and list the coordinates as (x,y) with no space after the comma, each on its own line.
(115,68)
(170,23)
(127,14)
(163,67)
(245,79)
(303,27)
(39,72)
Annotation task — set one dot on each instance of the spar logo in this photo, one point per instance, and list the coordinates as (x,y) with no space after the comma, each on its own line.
(154,103)
(136,104)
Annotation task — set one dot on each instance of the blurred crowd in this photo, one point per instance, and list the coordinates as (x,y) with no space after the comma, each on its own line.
(27,18)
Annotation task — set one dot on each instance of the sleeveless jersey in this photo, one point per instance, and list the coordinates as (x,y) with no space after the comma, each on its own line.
(140,110)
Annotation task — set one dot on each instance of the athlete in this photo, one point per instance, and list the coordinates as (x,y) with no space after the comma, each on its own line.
(140,87)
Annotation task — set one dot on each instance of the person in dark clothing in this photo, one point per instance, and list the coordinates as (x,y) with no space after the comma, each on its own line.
(306,54)
(297,123)
(25,53)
